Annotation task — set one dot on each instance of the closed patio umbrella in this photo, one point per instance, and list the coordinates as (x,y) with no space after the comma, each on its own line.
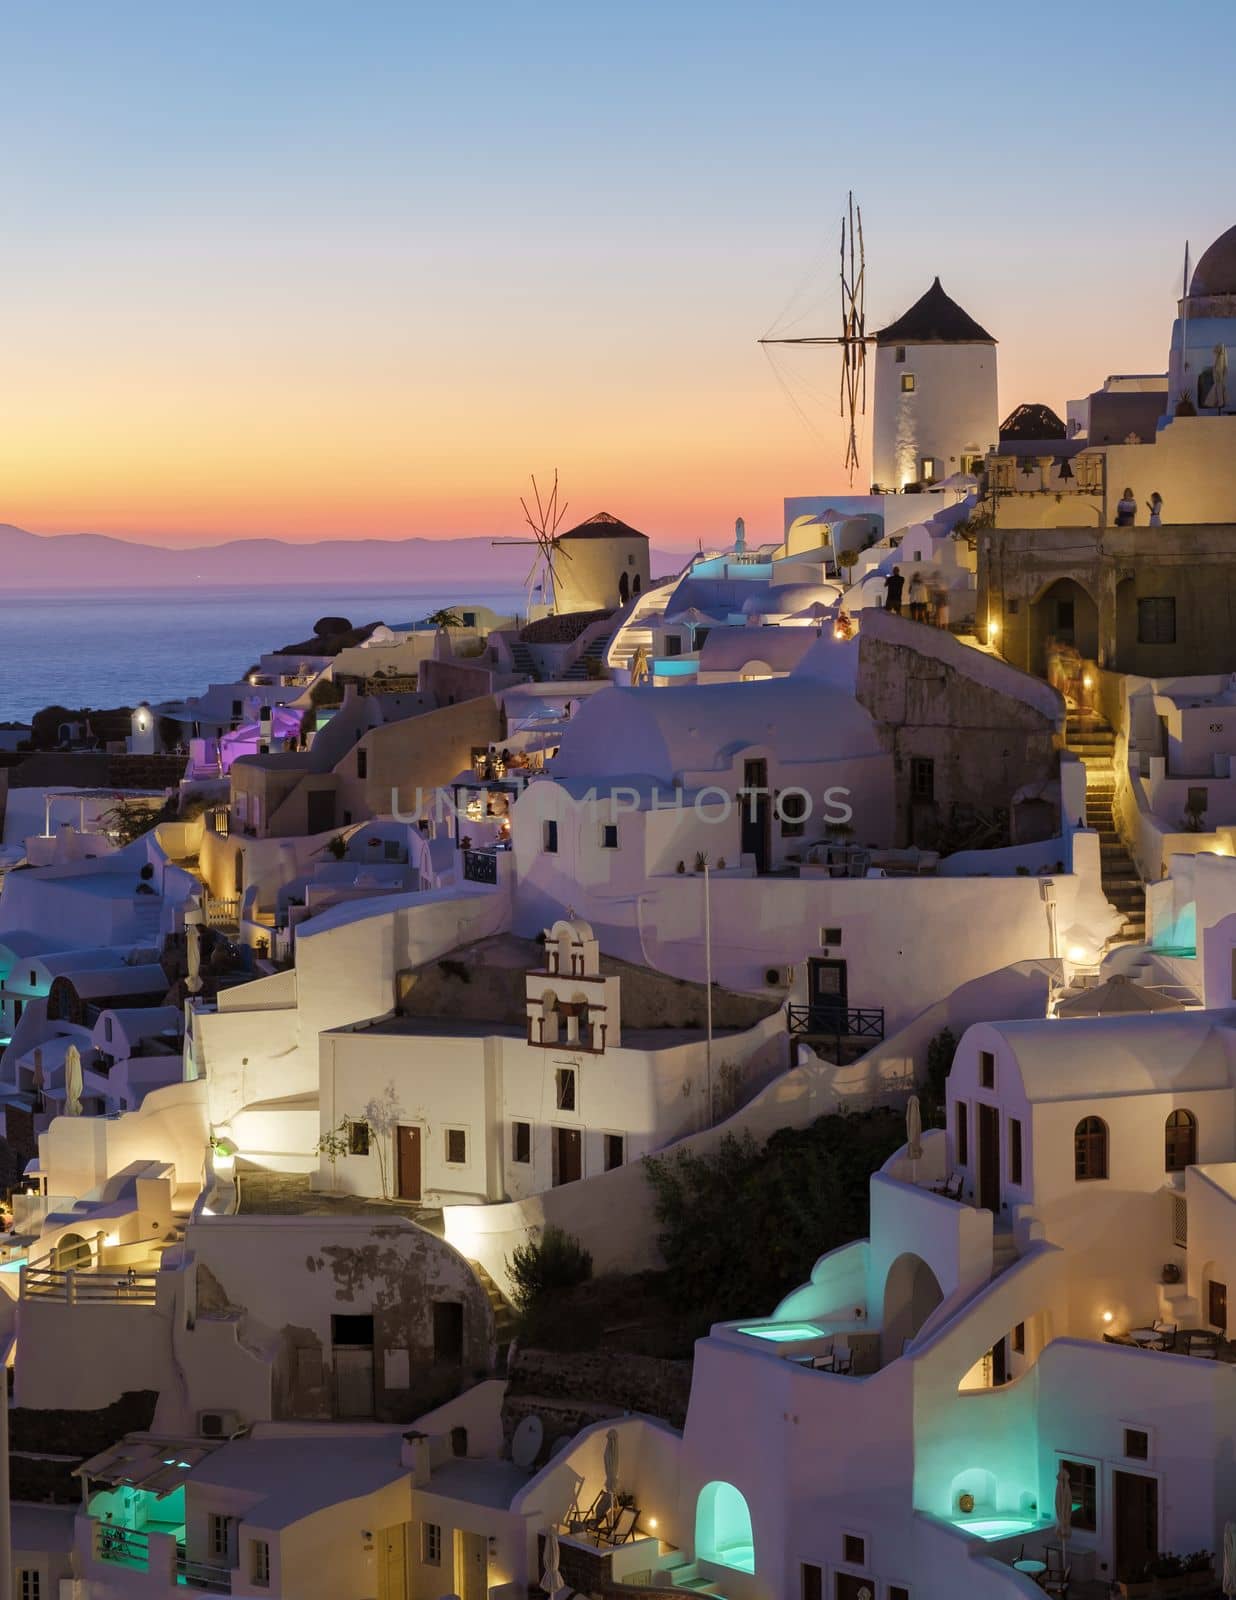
(611,1472)
(73,1082)
(551,1578)
(1229,1558)
(914,1132)
(1064,1505)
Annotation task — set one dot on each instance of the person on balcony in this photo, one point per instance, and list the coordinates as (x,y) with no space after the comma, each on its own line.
(1126,510)
(893,585)
(1155,507)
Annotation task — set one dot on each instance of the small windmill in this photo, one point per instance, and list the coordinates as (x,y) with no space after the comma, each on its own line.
(544,526)
(853,338)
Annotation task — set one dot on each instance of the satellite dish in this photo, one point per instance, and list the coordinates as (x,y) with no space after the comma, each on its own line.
(526,1444)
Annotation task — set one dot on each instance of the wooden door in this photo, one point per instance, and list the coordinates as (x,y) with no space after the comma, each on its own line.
(1217,1298)
(1137,1523)
(319,810)
(989,1157)
(756,814)
(827,991)
(568,1155)
(408,1161)
(471,1565)
(392,1563)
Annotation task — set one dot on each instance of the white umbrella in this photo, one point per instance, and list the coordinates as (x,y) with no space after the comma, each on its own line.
(611,1471)
(73,1082)
(1229,1558)
(1064,1504)
(193,946)
(551,1578)
(914,1131)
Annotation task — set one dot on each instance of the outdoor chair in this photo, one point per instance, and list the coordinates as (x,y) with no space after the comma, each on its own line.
(625,1524)
(843,1357)
(592,1520)
(1053,1556)
(1167,1332)
(951,1188)
(1056,1583)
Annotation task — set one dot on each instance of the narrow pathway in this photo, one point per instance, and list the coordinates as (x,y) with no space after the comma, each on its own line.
(1093,740)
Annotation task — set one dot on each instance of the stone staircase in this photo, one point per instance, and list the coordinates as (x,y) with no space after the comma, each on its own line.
(1094,742)
(147,917)
(582,668)
(504,1315)
(521,659)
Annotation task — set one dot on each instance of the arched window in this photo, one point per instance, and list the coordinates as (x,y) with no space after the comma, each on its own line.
(1090,1149)
(1179,1141)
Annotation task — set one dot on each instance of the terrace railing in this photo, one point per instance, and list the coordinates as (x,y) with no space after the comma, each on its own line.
(836,1022)
(88,1287)
(480,866)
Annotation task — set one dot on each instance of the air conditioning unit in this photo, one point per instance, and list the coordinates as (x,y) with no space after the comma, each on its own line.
(218,1424)
(779,977)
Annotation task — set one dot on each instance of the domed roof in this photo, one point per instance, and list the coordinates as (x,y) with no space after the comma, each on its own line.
(1032,421)
(1215,273)
(603,526)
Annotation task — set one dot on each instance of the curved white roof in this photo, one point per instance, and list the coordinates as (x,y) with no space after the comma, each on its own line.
(700,728)
(1095,1057)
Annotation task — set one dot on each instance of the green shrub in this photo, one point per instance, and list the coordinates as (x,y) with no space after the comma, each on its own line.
(940,1053)
(543,1266)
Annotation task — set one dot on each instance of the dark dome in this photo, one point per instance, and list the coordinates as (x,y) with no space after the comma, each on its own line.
(934,318)
(1032,422)
(1215,273)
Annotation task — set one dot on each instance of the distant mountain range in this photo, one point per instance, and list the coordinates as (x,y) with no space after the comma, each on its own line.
(96,561)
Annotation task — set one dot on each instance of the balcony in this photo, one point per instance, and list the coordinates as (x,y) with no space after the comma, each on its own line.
(846,1025)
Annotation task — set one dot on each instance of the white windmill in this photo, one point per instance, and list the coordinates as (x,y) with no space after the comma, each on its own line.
(544,525)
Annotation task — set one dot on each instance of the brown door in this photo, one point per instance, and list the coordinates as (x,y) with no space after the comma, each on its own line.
(989,1157)
(568,1155)
(1137,1523)
(409,1162)
(1218,1305)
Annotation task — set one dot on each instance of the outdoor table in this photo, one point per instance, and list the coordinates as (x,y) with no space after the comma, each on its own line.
(1032,1569)
(1145,1336)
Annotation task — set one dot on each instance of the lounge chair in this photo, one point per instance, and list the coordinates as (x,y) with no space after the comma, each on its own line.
(624,1525)
(592,1520)
(952,1186)
(843,1356)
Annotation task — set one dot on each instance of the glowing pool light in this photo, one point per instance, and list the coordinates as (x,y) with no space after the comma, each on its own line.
(995,1527)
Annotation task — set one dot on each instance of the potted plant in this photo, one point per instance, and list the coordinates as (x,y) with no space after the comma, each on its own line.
(701,860)
(1199,1571)
(1171,1272)
(1140,1585)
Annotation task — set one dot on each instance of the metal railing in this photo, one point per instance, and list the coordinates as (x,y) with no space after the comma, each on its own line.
(201,1575)
(480,866)
(223,913)
(836,1022)
(71,1286)
(129,1547)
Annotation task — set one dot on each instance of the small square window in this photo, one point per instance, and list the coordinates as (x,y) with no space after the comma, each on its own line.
(811,1586)
(521,1142)
(1019,1339)
(30,1584)
(358,1138)
(218,1535)
(362,763)
(673,644)
(907,383)
(792,808)
(1012,607)
(456,1147)
(900,355)
(259,1563)
(854,1550)
(609,836)
(564,1088)
(930,468)
(1136,1444)
(431,1544)
(898,1591)
(830,936)
(987,1069)
(615,1150)
(549,838)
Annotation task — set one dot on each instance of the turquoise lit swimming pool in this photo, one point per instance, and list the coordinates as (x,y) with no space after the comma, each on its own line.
(15,1265)
(995,1527)
(782,1332)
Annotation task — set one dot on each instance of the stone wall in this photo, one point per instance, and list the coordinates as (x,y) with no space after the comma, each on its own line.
(570,1391)
(986,729)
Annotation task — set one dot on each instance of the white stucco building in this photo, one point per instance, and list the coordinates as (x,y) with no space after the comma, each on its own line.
(935,394)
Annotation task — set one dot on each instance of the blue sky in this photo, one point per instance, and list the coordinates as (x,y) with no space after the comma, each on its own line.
(275,267)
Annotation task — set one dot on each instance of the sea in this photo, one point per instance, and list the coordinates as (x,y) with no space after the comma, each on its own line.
(101,648)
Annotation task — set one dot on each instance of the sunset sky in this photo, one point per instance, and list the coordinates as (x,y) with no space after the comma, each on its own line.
(308,269)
